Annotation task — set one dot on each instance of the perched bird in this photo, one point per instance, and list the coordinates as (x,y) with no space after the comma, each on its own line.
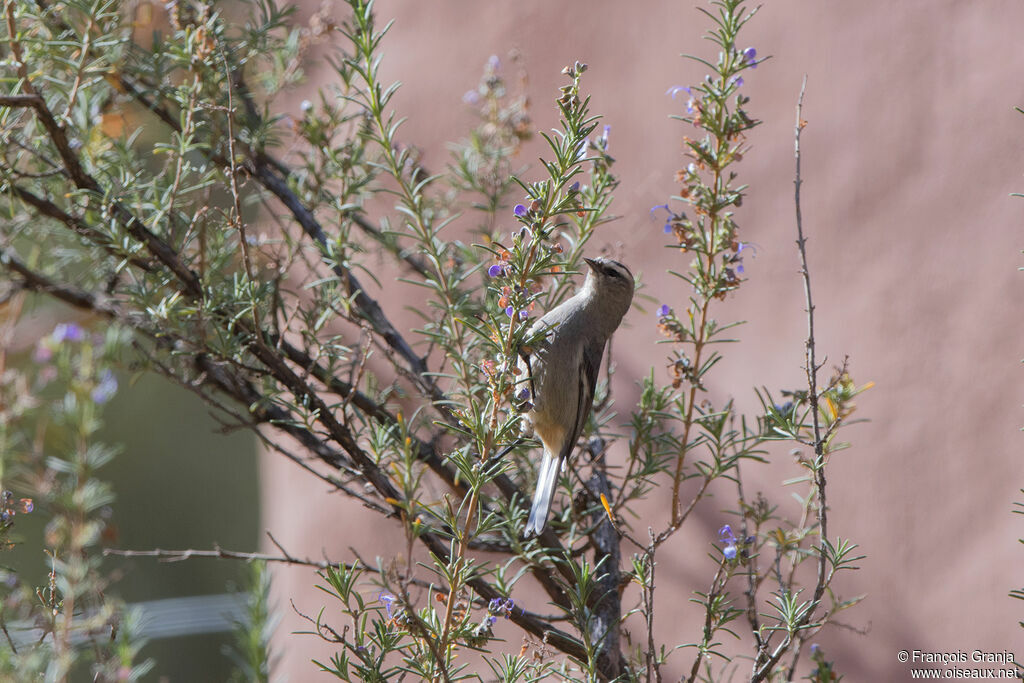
(562,367)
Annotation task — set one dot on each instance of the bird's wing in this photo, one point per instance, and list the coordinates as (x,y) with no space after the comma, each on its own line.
(590,364)
(538,341)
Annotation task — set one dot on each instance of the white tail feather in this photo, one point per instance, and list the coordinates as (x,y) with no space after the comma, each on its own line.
(547,479)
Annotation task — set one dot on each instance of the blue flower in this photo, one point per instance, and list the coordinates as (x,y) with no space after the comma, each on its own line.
(726,536)
(738,81)
(750,57)
(575,187)
(388,599)
(509,311)
(524,314)
(501,606)
(520,210)
(67,332)
(663,311)
(676,89)
(105,390)
(784,409)
(495,270)
(738,259)
(668,221)
(581,153)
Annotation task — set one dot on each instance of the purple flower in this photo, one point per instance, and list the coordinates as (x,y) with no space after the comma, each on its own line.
(67,332)
(520,210)
(105,390)
(495,270)
(27,505)
(388,599)
(501,606)
(738,81)
(738,259)
(42,354)
(493,63)
(668,221)
(522,396)
(750,57)
(575,187)
(725,535)
(691,105)
(676,89)
(509,311)
(604,137)
(663,311)
(581,153)
(524,314)
(471,97)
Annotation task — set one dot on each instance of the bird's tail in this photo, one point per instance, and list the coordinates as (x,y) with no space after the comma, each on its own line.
(547,480)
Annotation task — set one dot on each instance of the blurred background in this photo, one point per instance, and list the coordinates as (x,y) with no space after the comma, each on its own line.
(910,153)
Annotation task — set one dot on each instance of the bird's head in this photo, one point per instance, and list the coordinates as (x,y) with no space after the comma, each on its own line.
(612,285)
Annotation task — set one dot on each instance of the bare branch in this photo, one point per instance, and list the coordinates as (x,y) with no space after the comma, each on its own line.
(763,666)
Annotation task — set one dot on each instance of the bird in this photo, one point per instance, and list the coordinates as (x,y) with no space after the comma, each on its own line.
(561,370)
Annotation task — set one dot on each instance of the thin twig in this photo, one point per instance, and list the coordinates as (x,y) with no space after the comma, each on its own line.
(221,553)
(762,671)
(753,573)
(653,666)
(80,70)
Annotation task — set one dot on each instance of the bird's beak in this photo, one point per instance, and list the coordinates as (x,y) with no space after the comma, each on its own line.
(591,262)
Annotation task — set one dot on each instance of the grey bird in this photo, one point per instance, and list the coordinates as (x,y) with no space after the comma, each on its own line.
(562,370)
